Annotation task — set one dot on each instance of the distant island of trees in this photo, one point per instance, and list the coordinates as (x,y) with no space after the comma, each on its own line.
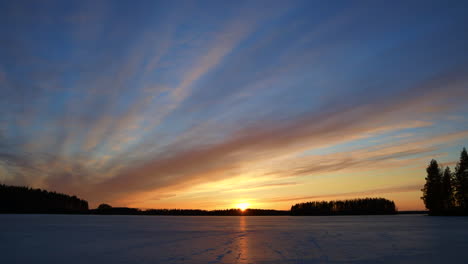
(446,193)
(366,206)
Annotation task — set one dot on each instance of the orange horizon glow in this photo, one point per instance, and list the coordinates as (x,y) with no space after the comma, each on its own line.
(405,200)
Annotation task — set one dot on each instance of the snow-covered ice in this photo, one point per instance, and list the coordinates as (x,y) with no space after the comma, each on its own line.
(272,239)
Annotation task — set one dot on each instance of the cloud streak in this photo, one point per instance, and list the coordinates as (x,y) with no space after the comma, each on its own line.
(372,192)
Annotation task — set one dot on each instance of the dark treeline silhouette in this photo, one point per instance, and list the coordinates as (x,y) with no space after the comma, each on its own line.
(446,193)
(365,206)
(15,199)
(226,212)
(108,210)
(27,200)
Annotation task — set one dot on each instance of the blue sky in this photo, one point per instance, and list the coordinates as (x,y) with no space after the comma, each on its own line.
(208,104)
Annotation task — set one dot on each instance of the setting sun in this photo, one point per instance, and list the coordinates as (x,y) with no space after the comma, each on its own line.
(243,206)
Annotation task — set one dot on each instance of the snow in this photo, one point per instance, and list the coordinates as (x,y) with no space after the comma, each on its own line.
(272,239)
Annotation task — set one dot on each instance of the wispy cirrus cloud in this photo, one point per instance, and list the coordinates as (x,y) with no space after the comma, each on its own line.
(257,144)
(373,192)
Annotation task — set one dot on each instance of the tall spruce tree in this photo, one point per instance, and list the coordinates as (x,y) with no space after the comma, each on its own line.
(447,190)
(433,188)
(461,181)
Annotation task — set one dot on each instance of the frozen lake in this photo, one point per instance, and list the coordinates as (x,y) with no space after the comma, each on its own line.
(254,239)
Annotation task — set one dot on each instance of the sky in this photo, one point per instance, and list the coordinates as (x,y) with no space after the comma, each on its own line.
(212,104)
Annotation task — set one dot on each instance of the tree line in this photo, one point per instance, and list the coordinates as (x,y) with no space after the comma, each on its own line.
(14,199)
(187,212)
(223,212)
(109,210)
(365,206)
(446,192)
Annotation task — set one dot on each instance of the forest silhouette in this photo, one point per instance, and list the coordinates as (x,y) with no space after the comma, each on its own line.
(15,199)
(446,193)
(366,206)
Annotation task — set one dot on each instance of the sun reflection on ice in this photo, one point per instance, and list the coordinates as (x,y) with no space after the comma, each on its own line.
(242,241)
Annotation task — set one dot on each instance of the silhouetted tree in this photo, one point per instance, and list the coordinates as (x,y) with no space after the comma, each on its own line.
(432,191)
(461,181)
(447,190)
(104,206)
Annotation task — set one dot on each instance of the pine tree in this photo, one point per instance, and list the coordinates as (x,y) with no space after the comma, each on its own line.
(433,188)
(461,181)
(447,190)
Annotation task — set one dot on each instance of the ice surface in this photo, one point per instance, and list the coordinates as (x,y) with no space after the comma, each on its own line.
(198,239)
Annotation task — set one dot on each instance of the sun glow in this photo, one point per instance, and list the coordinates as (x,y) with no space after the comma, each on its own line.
(243,206)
